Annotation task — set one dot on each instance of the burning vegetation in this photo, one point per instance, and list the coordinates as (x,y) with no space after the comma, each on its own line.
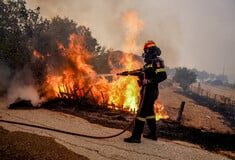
(57,59)
(76,79)
(44,60)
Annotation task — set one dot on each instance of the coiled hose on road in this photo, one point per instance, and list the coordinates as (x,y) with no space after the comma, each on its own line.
(83,135)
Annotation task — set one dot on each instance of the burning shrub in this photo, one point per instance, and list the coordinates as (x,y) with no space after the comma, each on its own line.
(51,59)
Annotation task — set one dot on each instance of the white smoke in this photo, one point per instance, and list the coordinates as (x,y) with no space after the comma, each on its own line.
(19,87)
(16,92)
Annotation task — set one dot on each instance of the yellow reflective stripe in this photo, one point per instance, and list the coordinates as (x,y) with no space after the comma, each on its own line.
(150,117)
(150,45)
(160,70)
(148,66)
(141,119)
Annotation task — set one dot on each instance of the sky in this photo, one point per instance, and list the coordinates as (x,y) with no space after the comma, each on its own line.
(191,33)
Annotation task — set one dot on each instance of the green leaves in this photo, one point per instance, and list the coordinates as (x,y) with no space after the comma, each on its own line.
(184,77)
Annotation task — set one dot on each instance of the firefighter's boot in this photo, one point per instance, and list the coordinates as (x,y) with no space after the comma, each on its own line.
(152,126)
(136,134)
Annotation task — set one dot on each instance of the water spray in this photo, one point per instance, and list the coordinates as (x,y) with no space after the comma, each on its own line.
(108,75)
(99,75)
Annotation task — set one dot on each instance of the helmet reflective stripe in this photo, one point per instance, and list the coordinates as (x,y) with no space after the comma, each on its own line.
(149,44)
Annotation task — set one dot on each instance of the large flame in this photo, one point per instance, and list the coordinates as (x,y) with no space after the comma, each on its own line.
(122,92)
(125,90)
(77,79)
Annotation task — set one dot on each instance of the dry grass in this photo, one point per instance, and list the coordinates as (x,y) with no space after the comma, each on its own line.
(194,114)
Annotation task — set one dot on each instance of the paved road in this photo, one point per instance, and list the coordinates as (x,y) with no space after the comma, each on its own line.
(101,149)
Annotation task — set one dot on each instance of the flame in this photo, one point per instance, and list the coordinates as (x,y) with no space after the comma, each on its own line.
(133,25)
(77,79)
(126,92)
(38,55)
(159,111)
(72,76)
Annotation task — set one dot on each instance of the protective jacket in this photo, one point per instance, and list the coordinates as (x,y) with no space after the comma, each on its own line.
(155,72)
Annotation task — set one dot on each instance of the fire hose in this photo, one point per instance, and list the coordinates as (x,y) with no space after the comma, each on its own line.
(140,74)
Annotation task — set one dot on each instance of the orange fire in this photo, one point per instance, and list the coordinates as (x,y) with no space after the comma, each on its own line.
(159,111)
(121,92)
(38,55)
(125,90)
(78,78)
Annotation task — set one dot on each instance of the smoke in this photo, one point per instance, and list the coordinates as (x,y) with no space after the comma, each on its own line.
(105,19)
(188,32)
(133,27)
(17,92)
(17,85)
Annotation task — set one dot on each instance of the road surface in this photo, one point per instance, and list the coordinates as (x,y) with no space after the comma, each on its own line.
(101,149)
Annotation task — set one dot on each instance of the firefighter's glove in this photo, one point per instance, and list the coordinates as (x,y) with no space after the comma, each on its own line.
(145,81)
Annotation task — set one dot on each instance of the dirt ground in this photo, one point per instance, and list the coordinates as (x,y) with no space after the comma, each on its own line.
(102,149)
(218,90)
(26,146)
(194,115)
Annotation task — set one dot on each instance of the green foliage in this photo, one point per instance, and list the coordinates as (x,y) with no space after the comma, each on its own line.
(23,30)
(203,76)
(184,77)
(16,23)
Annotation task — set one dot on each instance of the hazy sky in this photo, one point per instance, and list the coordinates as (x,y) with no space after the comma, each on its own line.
(193,33)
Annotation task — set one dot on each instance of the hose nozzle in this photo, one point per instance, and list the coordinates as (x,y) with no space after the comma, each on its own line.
(126,73)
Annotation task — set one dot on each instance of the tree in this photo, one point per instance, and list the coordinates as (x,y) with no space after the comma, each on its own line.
(23,30)
(184,77)
(222,78)
(202,75)
(212,76)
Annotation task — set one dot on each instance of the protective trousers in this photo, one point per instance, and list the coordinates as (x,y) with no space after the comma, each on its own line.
(146,113)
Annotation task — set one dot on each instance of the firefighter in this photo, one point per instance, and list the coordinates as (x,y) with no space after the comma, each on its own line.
(154,73)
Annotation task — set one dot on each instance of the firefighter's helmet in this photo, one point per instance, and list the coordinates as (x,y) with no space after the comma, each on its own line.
(149,44)
(150,50)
